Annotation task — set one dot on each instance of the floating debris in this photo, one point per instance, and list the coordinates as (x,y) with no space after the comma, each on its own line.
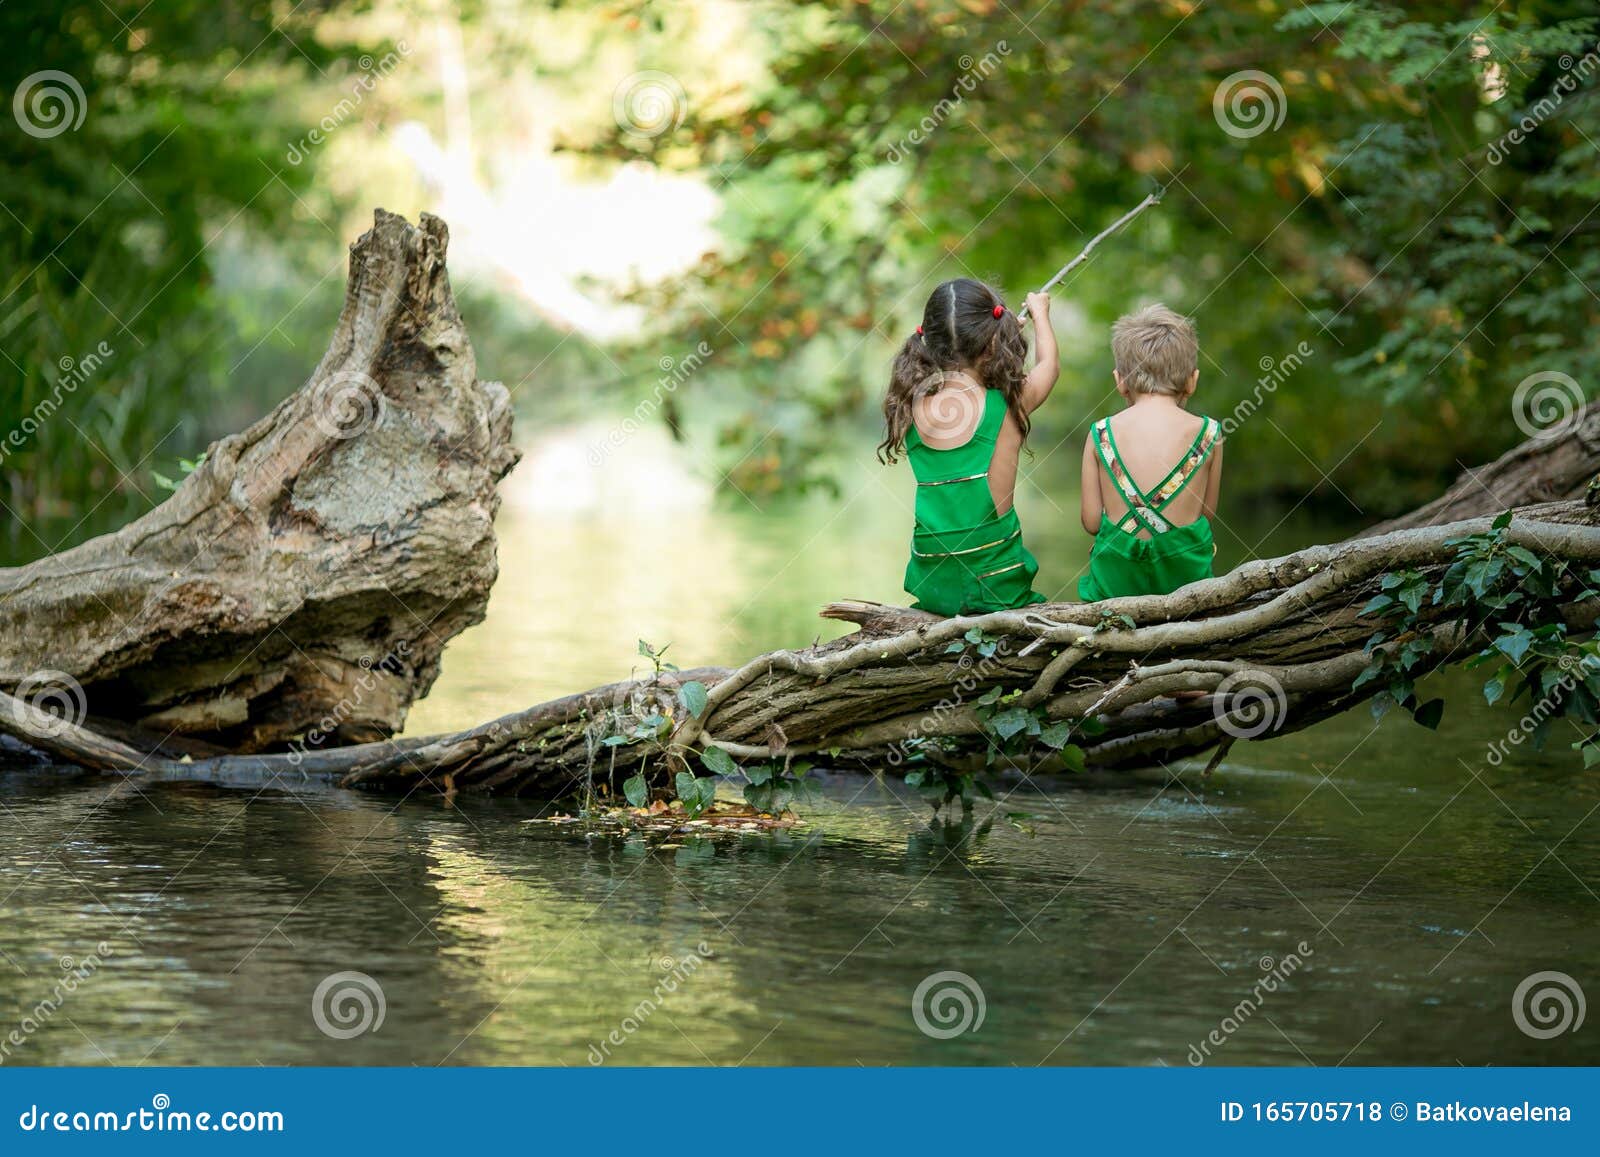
(667,820)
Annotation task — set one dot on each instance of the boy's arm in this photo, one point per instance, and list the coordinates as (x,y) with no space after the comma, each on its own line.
(1213,483)
(1041,379)
(1090,504)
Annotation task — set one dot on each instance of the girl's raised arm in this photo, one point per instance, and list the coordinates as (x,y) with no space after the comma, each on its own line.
(1041,379)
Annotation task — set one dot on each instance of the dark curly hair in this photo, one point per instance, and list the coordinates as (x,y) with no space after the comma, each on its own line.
(959,332)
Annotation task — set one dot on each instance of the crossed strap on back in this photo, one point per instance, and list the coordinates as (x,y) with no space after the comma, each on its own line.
(1144,509)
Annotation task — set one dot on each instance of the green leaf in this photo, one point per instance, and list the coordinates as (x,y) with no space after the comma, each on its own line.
(761,795)
(717,762)
(1501,522)
(693,697)
(1378,604)
(1494,689)
(1429,714)
(695,794)
(616,740)
(636,790)
(1591,755)
(1515,645)
(1056,735)
(1010,721)
(1072,757)
(992,695)
(760,774)
(1371,672)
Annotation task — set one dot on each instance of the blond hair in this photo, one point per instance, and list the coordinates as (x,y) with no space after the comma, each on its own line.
(1155,350)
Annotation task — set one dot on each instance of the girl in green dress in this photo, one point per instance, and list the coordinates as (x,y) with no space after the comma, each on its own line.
(958,406)
(1152,473)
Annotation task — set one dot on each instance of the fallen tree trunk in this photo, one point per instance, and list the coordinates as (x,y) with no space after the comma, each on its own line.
(1270,648)
(346,547)
(306,577)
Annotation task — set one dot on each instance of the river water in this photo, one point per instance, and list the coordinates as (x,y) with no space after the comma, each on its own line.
(1354,893)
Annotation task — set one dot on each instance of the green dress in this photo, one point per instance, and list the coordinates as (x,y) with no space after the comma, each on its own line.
(965,558)
(1121,562)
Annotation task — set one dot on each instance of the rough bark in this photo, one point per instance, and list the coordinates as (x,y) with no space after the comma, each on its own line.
(309,573)
(1549,467)
(303,575)
(1269,648)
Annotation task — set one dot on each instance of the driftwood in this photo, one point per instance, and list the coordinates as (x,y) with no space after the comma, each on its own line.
(309,573)
(297,590)
(1269,648)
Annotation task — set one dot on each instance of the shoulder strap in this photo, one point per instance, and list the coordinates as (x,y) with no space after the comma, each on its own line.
(1189,465)
(1139,511)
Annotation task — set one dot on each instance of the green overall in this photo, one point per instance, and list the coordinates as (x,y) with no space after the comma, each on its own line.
(965,558)
(1121,562)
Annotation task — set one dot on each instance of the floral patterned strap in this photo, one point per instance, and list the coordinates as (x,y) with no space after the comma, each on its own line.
(1145,508)
(1138,509)
(1204,442)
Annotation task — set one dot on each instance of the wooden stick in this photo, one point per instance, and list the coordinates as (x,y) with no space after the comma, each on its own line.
(1152,199)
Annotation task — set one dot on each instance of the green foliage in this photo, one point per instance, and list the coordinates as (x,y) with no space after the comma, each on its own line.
(170,125)
(657,662)
(1429,269)
(696,794)
(692,698)
(1503,591)
(773,786)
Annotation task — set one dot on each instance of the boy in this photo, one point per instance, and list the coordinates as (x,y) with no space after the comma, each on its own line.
(1151,473)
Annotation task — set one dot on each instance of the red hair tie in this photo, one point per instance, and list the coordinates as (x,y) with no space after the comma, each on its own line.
(999,309)
(919,331)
